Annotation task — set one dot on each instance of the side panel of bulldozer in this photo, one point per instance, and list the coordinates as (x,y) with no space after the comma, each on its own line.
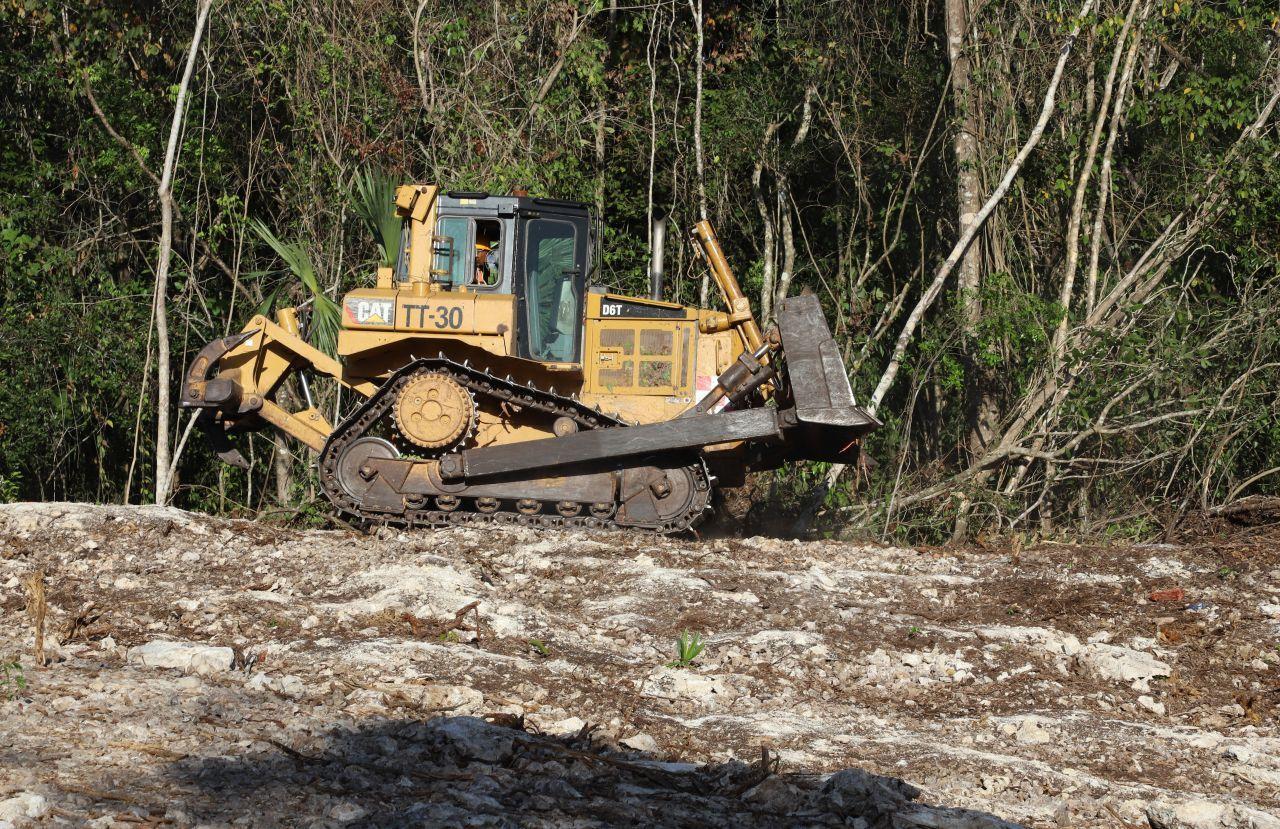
(382,327)
(436,314)
(647,360)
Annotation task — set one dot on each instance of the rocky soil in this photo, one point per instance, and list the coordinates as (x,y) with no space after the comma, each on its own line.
(212,672)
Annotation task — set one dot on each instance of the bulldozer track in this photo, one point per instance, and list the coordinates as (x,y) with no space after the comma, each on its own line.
(466,511)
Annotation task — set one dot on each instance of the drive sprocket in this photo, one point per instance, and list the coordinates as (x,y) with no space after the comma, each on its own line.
(434,411)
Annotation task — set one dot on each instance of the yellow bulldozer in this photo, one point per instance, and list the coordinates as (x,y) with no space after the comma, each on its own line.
(486,379)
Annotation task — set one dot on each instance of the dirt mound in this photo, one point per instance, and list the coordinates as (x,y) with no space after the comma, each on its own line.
(205,671)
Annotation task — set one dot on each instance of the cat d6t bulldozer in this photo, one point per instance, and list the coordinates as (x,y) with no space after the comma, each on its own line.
(487,379)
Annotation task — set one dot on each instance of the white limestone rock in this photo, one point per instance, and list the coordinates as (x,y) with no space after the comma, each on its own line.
(191,657)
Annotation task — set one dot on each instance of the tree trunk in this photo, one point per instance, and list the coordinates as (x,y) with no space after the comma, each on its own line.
(1075,218)
(283,470)
(785,206)
(965,148)
(696,9)
(788,241)
(600,156)
(160,307)
(768,256)
(982,412)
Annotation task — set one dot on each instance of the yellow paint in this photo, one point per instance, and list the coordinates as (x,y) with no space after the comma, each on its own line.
(418,202)
(427,311)
(644,370)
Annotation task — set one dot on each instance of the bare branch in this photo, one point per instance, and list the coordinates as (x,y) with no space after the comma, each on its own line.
(962,244)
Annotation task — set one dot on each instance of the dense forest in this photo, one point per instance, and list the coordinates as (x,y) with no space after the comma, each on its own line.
(1046,234)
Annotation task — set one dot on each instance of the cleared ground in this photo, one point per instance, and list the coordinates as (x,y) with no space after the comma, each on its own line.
(205,671)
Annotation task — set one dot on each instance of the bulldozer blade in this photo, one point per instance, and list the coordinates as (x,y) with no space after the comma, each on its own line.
(831,421)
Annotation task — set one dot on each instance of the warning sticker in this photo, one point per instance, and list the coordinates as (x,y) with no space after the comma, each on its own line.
(703,386)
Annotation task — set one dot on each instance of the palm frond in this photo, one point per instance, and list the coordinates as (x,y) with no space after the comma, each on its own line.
(326,318)
(268,301)
(374,200)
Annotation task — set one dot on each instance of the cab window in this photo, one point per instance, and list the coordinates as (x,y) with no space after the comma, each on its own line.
(452,264)
(552,290)
(487,272)
(476,248)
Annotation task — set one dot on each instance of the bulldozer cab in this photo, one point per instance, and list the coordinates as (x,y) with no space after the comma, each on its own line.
(535,250)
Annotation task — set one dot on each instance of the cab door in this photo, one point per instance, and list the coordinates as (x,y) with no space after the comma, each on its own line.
(552,257)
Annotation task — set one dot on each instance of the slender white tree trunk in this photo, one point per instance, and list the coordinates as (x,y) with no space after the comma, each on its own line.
(785,206)
(600,156)
(696,10)
(284,471)
(651,61)
(1075,218)
(160,307)
(788,241)
(965,149)
(766,219)
(982,410)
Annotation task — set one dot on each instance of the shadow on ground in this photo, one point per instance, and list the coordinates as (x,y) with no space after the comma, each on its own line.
(465,771)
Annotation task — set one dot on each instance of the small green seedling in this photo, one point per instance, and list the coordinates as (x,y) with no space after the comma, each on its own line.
(539,647)
(913,632)
(688,647)
(12,679)
(450,636)
(1226,572)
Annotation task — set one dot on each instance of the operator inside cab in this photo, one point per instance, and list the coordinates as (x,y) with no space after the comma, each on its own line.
(487,264)
(483,237)
(488,256)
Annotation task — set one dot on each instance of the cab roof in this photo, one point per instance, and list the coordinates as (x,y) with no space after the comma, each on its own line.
(489,201)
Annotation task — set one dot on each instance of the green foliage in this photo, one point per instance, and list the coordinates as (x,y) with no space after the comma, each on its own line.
(374,201)
(10,486)
(1012,332)
(299,122)
(689,646)
(325,316)
(13,679)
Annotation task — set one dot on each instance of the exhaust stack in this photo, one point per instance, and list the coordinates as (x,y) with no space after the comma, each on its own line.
(656,271)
